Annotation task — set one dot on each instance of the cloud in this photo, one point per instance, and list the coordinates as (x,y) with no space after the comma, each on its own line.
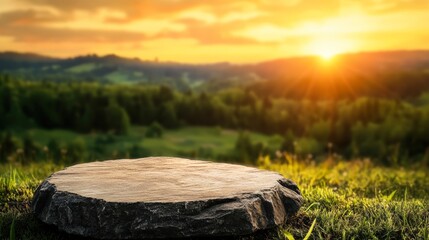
(134,9)
(198,26)
(43,25)
(265,33)
(383,6)
(210,34)
(32,34)
(138,9)
(28,17)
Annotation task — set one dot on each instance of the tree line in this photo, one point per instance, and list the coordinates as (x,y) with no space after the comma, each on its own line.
(390,131)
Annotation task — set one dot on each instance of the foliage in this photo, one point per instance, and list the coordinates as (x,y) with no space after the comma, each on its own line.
(355,199)
(400,74)
(155,130)
(245,151)
(343,200)
(117,118)
(17,184)
(67,147)
(12,231)
(390,132)
(320,122)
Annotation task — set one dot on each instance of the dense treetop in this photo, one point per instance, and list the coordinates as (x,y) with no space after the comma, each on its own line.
(389,130)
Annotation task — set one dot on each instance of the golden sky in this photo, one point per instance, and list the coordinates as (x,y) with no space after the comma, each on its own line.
(201,31)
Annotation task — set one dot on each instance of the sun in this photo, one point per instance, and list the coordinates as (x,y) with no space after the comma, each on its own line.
(327,54)
(328,47)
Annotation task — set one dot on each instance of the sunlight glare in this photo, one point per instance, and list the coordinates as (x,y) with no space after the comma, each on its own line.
(327,48)
(327,55)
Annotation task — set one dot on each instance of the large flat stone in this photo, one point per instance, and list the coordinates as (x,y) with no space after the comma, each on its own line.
(163,197)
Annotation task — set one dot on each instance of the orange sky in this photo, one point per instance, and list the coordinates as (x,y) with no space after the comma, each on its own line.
(212,31)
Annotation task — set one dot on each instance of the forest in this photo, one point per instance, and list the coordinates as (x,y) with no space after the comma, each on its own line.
(235,119)
(390,131)
(352,134)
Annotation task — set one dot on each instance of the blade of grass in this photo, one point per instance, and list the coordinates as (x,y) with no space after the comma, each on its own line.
(12,230)
(311,205)
(288,235)
(405,194)
(307,236)
(390,197)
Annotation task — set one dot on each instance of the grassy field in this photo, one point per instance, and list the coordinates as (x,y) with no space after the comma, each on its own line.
(356,200)
(199,142)
(344,200)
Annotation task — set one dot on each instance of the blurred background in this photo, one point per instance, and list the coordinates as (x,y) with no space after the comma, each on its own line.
(332,94)
(232,81)
(366,105)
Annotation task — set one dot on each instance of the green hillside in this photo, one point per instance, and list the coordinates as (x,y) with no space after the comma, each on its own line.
(361,74)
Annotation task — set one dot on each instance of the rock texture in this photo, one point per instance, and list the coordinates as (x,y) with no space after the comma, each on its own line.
(163,197)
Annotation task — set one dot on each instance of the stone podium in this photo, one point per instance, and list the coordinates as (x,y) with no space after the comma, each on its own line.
(164,197)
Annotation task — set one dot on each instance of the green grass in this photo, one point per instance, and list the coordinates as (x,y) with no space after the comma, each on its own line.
(344,200)
(17,184)
(356,200)
(44,136)
(216,140)
(201,142)
(82,68)
(119,76)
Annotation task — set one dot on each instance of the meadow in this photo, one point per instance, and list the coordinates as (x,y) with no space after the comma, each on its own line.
(343,200)
(355,199)
(333,95)
(360,157)
(211,143)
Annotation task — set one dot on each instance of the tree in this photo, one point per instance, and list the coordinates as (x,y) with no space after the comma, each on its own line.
(320,131)
(9,145)
(85,122)
(168,116)
(31,149)
(15,117)
(148,109)
(165,94)
(117,118)
(42,107)
(77,150)
(2,110)
(155,130)
(54,149)
(138,151)
(288,142)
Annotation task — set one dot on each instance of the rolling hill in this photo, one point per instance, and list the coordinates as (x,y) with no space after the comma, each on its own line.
(386,74)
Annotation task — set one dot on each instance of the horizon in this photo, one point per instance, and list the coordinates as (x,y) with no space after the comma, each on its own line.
(322,58)
(239,31)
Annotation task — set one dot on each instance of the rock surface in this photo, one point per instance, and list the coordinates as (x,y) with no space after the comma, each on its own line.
(163,197)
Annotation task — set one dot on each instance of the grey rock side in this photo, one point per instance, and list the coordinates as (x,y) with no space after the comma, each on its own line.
(163,197)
